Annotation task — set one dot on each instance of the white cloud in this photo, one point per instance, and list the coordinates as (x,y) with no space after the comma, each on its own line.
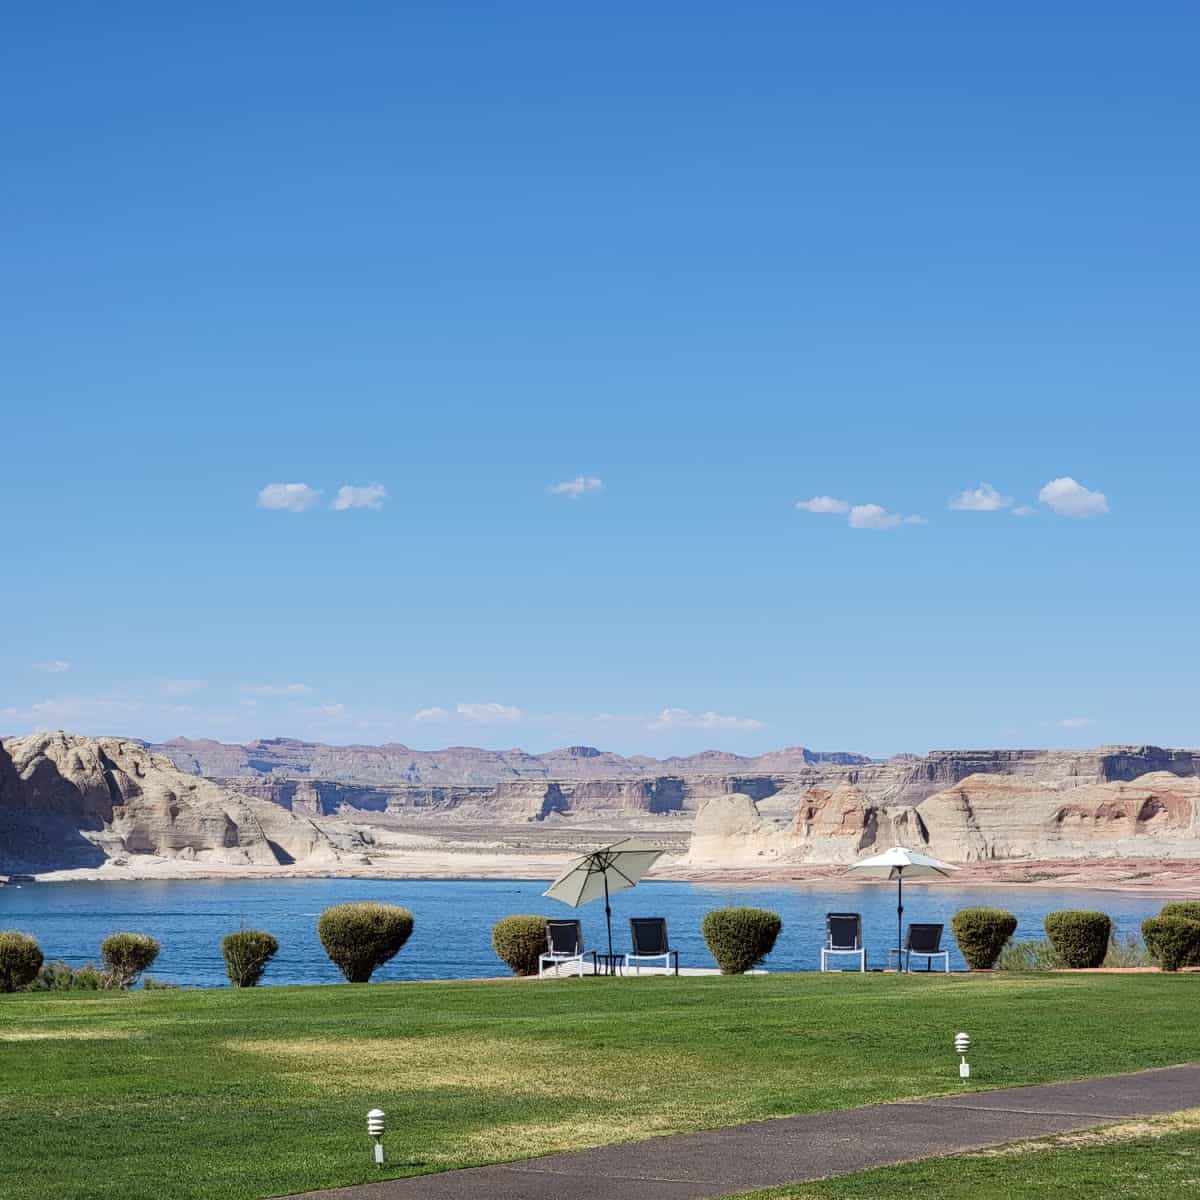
(874,516)
(370,496)
(183,687)
(984,498)
(56,666)
(574,488)
(288,497)
(436,713)
(1075,723)
(331,710)
(1024,510)
(1071,499)
(683,718)
(491,712)
(276,689)
(823,504)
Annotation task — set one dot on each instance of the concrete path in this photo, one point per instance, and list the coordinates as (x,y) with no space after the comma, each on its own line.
(718,1162)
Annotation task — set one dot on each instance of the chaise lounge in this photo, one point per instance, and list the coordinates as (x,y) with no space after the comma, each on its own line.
(564,945)
(650,943)
(843,935)
(925,941)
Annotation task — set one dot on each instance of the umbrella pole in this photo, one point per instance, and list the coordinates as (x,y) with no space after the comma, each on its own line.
(607,914)
(899,920)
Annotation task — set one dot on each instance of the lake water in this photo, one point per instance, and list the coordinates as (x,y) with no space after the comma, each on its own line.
(453,919)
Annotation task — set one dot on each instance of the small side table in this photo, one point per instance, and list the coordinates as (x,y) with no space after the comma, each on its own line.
(609,964)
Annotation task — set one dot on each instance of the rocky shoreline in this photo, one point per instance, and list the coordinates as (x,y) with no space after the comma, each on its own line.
(1147,876)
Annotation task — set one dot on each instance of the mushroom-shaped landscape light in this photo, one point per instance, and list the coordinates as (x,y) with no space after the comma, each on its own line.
(375,1129)
(962,1043)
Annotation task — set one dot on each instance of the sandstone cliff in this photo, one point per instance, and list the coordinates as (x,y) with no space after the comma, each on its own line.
(580,779)
(463,766)
(69,801)
(980,818)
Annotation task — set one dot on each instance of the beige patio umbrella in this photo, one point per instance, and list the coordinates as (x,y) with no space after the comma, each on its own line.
(900,864)
(611,869)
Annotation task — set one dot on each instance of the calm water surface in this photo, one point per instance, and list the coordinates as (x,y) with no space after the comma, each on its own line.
(453,919)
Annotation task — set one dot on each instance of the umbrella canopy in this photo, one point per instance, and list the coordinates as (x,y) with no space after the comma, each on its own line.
(900,864)
(610,869)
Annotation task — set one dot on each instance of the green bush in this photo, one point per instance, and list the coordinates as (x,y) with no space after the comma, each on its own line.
(518,941)
(981,934)
(127,955)
(20,960)
(1028,956)
(1173,941)
(157,985)
(740,938)
(361,937)
(246,954)
(1079,938)
(57,976)
(1188,909)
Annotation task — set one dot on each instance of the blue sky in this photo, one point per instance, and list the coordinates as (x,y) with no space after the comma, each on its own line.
(708,261)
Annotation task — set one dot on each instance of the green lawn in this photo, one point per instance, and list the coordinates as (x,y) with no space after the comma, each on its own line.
(1152,1160)
(248,1094)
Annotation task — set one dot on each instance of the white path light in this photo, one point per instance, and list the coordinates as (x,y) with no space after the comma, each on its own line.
(962,1043)
(375,1129)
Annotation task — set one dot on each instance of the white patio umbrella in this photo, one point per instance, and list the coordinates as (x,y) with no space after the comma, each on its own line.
(611,869)
(900,864)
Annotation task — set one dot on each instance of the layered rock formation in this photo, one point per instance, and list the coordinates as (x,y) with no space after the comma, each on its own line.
(69,801)
(980,818)
(398,778)
(463,766)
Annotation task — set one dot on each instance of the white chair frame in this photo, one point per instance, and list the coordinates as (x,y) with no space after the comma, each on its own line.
(559,959)
(904,962)
(665,959)
(860,954)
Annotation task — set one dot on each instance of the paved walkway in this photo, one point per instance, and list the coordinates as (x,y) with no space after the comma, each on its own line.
(717,1162)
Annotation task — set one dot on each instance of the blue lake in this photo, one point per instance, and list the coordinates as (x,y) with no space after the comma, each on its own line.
(453,919)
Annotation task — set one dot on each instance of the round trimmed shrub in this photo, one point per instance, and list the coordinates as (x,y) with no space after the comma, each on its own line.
(1188,909)
(1173,941)
(981,933)
(127,955)
(20,960)
(1080,939)
(246,954)
(361,937)
(740,938)
(518,941)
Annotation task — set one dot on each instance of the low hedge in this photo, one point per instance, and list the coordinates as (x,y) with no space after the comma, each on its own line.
(1080,939)
(1188,909)
(246,954)
(740,938)
(981,933)
(518,941)
(1173,941)
(20,960)
(127,955)
(361,937)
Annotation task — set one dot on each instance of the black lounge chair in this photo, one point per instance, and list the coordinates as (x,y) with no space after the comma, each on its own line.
(843,935)
(564,945)
(649,938)
(925,941)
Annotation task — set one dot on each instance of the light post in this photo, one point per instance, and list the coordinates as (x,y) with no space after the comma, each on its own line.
(375,1129)
(962,1043)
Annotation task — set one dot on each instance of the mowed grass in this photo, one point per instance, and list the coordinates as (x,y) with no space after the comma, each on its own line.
(221,1093)
(1141,1160)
